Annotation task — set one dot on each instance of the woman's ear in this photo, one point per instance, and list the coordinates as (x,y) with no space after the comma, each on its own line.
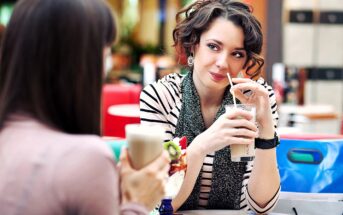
(194,49)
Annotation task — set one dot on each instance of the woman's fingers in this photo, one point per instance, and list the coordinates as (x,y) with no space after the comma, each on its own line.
(238,113)
(238,123)
(147,185)
(124,159)
(240,95)
(240,132)
(241,123)
(254,87)
(241,80)
(245,133)
(241,140)
(123,154)
(161,163)
(246,87)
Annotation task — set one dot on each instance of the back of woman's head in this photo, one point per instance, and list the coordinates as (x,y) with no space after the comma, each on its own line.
(2,30)
(51,62)
(196,18)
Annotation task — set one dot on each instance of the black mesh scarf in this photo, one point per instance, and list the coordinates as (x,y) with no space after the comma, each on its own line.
(227,176)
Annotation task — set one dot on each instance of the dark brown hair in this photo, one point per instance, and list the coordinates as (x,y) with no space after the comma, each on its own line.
(196,18)
(51,62)
(2,31)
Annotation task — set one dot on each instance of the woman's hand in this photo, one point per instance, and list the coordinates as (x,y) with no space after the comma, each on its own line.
(147,185)
(259,97)
(230,128)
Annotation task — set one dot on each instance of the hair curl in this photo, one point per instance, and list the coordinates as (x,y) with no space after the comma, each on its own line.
(196,18)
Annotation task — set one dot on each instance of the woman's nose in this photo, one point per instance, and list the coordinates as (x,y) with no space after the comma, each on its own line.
(222,61)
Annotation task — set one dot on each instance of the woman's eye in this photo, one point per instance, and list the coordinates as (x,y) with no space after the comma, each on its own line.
(238,55)
(213,47)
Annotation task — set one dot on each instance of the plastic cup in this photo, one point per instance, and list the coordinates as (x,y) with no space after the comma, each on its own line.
(145,143)
(242,152)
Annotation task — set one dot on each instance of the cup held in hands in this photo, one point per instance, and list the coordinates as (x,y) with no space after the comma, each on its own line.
(242,152)
(145,143)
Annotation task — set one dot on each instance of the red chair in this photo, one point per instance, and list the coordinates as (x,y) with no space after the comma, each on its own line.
(118,94)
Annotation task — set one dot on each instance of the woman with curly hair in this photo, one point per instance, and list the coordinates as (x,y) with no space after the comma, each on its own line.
(219,37)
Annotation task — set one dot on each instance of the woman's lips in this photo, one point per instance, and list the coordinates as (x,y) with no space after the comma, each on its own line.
(217,77)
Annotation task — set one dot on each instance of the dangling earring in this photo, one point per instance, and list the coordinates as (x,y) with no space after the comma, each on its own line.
(190,60)
(240,75)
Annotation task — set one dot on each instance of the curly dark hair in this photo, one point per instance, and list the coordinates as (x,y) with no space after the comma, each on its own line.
(196,18)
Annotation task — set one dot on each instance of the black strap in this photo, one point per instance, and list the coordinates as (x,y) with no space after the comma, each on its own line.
(267,143)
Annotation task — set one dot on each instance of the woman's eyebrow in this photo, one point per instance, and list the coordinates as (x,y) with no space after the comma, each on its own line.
(220,43)
(214,40)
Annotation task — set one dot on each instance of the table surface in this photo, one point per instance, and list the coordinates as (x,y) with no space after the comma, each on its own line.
(220,212)
(306,203)
(124,110)
(310,111)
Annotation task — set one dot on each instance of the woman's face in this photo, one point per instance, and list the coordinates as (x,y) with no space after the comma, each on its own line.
(220,51)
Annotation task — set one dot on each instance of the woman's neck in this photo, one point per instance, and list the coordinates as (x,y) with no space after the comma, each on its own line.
(209,97)
(210,101)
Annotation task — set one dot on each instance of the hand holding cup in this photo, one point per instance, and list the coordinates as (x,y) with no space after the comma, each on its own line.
(147,185)
(242,152)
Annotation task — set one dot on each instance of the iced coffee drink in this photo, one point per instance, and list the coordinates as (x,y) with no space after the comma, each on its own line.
(144,143)
(242,152)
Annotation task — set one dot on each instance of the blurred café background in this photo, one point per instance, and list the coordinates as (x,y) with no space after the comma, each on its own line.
(303,50)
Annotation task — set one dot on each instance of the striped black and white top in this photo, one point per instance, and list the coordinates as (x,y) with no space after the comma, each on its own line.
(160,103)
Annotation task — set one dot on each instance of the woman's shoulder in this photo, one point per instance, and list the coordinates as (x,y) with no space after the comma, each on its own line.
(22,128)
(82,151)
(90,145)
(172,78)
(169,84)
(165,92)
(61,145)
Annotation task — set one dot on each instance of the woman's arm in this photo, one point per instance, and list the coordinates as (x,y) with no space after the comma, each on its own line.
(195,158)
(159,105)
(228,128)
(264,182)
